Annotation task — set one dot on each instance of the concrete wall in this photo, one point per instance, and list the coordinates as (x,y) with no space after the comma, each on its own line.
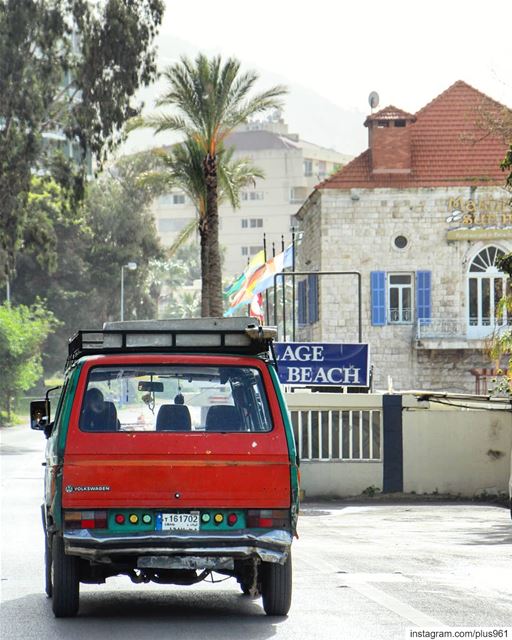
(452,450)
(456,451)
(338,479)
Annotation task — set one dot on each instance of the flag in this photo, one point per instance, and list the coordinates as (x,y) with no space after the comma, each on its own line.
(261,279)
(238,283)
(256,310)
(275,265)
(245,295)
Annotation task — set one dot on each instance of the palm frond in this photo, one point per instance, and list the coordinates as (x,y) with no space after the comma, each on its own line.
(166,122)
(234,175)
(212,98)
(184,235)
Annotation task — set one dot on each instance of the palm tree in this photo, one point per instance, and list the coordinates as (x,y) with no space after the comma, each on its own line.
(183,168)
(211,98)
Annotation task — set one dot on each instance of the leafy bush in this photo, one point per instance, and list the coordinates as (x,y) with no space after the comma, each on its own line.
(23,331)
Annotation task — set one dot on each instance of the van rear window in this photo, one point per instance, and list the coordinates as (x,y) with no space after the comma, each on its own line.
(175,398)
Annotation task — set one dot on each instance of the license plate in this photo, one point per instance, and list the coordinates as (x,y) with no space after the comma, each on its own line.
(180,521)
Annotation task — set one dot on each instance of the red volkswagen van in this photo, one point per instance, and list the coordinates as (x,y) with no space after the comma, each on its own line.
(171,456)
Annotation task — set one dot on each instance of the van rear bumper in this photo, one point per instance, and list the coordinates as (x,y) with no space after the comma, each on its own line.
(269,546)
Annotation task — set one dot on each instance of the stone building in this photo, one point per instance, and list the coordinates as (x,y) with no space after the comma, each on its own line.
(291,167)
(423,215)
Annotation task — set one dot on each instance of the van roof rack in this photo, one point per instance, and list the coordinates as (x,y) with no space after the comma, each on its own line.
(234,336)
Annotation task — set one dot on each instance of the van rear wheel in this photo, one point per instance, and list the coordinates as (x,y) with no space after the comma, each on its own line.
(66,582)
(276,587)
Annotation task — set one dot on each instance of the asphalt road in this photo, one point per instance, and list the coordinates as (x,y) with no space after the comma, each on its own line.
(360,571)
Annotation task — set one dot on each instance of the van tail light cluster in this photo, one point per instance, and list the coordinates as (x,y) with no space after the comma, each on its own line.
(268,519)
(133,518)
(219,518)
(85,519)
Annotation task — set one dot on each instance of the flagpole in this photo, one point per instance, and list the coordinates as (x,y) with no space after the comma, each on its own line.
(293,284)
(275,288)
(284,295)
(249,305)
(267,309)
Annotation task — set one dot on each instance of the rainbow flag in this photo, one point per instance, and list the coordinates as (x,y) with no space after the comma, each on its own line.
(261,279)
(275,265)
(238,283)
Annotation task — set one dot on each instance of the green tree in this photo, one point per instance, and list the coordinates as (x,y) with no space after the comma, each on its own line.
(211,98)
(113,226)
(68,68)
(184,168)
(23,331)
(117,212)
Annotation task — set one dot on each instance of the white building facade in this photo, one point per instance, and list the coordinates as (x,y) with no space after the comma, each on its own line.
(291,167)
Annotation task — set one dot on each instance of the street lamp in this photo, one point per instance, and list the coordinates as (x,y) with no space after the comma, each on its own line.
(131,266)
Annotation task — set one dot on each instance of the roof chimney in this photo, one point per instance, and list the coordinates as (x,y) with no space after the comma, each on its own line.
(389,138)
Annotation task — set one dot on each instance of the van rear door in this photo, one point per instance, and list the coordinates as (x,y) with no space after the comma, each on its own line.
(169,432)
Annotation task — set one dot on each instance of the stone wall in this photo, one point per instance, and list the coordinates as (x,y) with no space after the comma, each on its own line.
(355,230)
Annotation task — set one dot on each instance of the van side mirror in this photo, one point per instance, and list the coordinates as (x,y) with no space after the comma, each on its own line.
(40,415)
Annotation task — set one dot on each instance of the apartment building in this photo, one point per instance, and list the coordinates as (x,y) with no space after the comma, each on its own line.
(292,167)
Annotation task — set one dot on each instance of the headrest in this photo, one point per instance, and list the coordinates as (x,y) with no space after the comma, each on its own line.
(223,418)
(173,417)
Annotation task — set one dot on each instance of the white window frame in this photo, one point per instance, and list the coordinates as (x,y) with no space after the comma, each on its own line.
(484,327)
(402,315)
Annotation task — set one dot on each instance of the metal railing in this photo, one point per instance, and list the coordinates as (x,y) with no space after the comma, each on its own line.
(336,427)
(442,328)
(338,435)
(400,314)
(456,327)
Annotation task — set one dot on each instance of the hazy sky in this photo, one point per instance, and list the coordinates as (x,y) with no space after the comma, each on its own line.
(407,50)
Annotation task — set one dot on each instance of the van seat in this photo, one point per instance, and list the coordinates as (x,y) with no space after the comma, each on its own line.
(223,418)
(173,417)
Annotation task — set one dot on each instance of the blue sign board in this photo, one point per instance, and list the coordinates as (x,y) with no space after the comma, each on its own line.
(323,364)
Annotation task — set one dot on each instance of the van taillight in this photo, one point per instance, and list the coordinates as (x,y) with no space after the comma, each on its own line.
(268,518)
(85,519)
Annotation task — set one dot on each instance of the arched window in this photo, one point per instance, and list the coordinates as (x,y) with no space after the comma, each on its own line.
(486,286)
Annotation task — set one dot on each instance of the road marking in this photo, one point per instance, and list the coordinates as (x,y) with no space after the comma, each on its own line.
(359,582)
(357,578)
(394,604)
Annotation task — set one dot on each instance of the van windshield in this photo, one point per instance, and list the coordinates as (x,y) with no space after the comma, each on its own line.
(175,398)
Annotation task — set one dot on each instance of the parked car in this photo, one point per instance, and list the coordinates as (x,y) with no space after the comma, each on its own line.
(171,456)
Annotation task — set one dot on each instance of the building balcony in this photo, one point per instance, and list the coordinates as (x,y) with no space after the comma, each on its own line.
(456,333)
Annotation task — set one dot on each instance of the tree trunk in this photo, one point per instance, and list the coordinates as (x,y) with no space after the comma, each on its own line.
(205,274)
(212,221)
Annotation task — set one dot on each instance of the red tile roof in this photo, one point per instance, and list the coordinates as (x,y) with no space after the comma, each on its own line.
(448,146)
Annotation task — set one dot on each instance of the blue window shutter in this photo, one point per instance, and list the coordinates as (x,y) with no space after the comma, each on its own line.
(378,288)
(313,314)
(424,296)
(302,303)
